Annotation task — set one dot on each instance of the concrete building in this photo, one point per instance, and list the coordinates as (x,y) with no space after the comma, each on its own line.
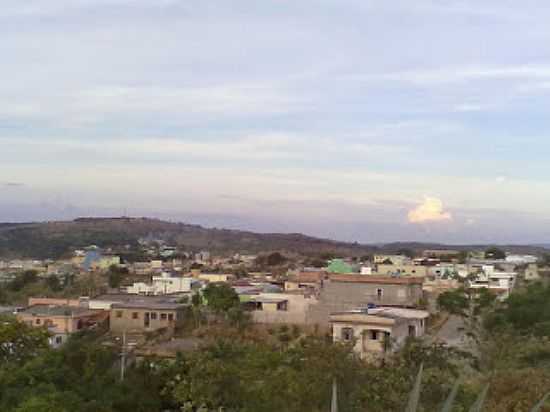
(377,331)
(402,270)
(305,280)
(521,259)
(280,308)
(500,283)
(145,316)
(532,272)
(61,321)
(215,277)
(163,285)
(340,293)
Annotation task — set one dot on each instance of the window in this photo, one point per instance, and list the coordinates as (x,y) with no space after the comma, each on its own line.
(373,335)
(170,317)
(153,315)
(58,340)
(282,306)
(379,293)
(422,323)
(412,331)
(118,313)
(38,321)
(347,334)
(163,316)
(135,315)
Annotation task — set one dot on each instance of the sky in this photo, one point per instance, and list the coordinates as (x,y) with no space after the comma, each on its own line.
(358,120)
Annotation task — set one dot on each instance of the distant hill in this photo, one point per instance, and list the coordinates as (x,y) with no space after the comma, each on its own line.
(55,239)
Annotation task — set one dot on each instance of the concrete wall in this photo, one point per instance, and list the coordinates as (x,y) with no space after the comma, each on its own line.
(367,347)
(343,296)
(122,319)
(297,309)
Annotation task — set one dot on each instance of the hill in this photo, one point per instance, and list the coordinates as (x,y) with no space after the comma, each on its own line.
(55,239)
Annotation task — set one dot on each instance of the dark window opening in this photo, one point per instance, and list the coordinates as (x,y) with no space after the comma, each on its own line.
(347,334)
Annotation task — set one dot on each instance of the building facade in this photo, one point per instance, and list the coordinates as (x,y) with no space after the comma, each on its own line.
(135,317)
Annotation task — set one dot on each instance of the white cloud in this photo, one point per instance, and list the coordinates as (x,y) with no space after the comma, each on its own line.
(431,210)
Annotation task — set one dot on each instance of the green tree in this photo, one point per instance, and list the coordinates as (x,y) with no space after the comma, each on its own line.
(52,282)
(23,279)
(221,297)
(454,302)
(20,342)
(115,275)
(495,253)
(275,259)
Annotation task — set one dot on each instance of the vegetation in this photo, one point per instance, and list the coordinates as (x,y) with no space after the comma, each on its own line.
(495,253)
(115,275)
(221,297)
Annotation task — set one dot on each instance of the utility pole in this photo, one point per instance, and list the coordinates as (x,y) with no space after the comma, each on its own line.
(334,401)
(123,357)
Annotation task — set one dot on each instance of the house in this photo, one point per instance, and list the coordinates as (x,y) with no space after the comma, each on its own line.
(305,280)
(401,270)
(215,277)
(374,332)
(347,292)
(163,285)
(145,316)
(521,259)
(60,320)
(280,308)
(495,281)
(141,268)
(532,272)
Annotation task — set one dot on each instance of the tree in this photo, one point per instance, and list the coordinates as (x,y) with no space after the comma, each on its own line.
(20,342)
(495,253)
(454,302)
(406,252)
(275,259)
(221,297)
(23,279)
(115,275)
(53,283)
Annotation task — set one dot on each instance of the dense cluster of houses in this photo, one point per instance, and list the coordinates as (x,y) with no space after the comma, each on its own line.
(374,305)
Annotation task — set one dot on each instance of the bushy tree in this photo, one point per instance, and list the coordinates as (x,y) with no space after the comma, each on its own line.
(220,297)
(20,342)
(495,253)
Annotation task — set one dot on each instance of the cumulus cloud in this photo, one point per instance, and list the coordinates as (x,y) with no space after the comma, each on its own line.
(431,210)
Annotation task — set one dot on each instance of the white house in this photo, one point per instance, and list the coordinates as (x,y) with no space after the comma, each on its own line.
(376,331)
(501,283)
(164,284)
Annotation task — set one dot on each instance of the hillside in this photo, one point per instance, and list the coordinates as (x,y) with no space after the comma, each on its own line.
(55,239)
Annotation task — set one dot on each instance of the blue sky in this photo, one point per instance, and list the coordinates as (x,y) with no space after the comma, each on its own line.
(359,120)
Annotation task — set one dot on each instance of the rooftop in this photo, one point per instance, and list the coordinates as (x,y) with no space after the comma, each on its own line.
(148,305)
(389,315)
(390,280)
(56,310)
